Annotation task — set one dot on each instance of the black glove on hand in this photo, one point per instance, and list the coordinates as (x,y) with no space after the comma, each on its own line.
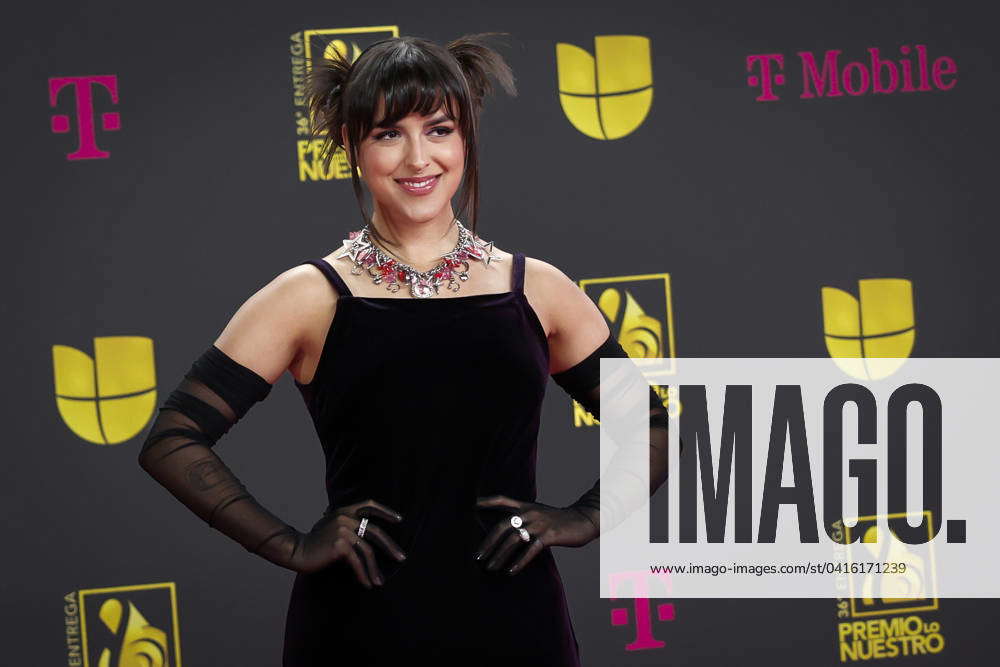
(213,396)
(546,526)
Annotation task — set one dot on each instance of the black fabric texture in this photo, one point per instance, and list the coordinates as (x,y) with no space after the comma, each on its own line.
(237,385)
(425,405)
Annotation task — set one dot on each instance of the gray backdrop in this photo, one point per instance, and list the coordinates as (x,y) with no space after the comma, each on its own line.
(751,208)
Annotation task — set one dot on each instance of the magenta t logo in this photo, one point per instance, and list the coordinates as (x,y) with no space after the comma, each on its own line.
(767,79)
(87,147)
(641,612)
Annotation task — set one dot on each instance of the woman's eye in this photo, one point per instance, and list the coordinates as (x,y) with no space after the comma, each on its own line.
(439,131)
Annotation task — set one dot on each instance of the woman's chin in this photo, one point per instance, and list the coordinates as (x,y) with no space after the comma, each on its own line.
(421,213)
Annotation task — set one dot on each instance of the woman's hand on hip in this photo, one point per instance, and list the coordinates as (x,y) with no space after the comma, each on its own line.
(546,526)
(335,538)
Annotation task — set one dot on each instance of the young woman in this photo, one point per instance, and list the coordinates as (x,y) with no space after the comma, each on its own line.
(423,354)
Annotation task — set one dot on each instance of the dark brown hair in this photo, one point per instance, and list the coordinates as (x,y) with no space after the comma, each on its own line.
(411,75)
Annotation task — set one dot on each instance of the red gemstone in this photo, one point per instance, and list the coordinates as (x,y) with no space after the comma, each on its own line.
(401,274)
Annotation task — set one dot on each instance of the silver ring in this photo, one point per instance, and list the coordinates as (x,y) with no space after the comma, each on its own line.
(516,521)
(361,528)
(525,536)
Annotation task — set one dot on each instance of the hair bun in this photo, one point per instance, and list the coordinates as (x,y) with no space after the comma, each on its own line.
(333,95)
(480,64)
(325,84)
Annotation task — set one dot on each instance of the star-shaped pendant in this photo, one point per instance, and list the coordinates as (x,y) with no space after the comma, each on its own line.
(355,246)
(488,247)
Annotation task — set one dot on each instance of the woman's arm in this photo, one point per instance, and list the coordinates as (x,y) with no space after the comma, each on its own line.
(281,323)
(262,339)
(238,370)
(580,337)
(574,324)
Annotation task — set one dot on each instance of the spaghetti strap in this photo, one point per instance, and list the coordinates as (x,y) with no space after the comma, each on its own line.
(331,275)
(518,272)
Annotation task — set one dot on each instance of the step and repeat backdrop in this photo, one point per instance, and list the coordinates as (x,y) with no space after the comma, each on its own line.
(722,178)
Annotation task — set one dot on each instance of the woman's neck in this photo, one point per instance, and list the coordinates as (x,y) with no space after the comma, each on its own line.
(420,245)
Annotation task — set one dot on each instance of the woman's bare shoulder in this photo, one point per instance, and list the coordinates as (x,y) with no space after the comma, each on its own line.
(547,281)
(271,328)
(577,326)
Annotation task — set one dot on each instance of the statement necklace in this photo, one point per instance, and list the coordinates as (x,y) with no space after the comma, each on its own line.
(454,266)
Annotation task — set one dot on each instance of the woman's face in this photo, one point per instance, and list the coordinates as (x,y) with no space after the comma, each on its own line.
(414,167)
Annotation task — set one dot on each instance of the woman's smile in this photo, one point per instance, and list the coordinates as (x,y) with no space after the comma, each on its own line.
(420,185)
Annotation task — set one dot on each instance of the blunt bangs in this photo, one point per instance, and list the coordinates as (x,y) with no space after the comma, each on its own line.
(405,80)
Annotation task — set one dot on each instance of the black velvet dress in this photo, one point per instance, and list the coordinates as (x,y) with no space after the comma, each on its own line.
(424,405)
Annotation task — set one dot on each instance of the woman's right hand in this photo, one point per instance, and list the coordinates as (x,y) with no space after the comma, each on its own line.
(335,538)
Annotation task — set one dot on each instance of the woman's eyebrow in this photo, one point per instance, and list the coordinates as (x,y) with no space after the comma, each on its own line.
(433,121)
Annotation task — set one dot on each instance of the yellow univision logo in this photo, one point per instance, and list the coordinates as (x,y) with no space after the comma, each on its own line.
(109,398)
(871,336)
(606,96)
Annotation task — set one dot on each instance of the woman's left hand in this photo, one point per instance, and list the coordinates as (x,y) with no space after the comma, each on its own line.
(548,526)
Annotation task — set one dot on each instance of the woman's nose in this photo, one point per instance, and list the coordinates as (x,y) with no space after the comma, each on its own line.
(416,158)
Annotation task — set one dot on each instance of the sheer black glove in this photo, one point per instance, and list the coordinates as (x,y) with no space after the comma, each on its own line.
(580,523)
(583,383)
(214,394)
(546,526)
(335,538)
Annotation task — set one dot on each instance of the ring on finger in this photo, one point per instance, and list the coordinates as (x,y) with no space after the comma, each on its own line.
(362,527)
(525,535)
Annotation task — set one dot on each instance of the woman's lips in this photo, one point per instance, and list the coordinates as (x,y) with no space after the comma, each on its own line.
(419,186)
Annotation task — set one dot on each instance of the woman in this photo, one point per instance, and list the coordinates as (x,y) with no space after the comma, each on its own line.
(426,401)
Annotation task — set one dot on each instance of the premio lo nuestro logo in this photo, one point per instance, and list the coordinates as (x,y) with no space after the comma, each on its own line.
(304,47)
(892,616)
(639,312)
(123,626)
